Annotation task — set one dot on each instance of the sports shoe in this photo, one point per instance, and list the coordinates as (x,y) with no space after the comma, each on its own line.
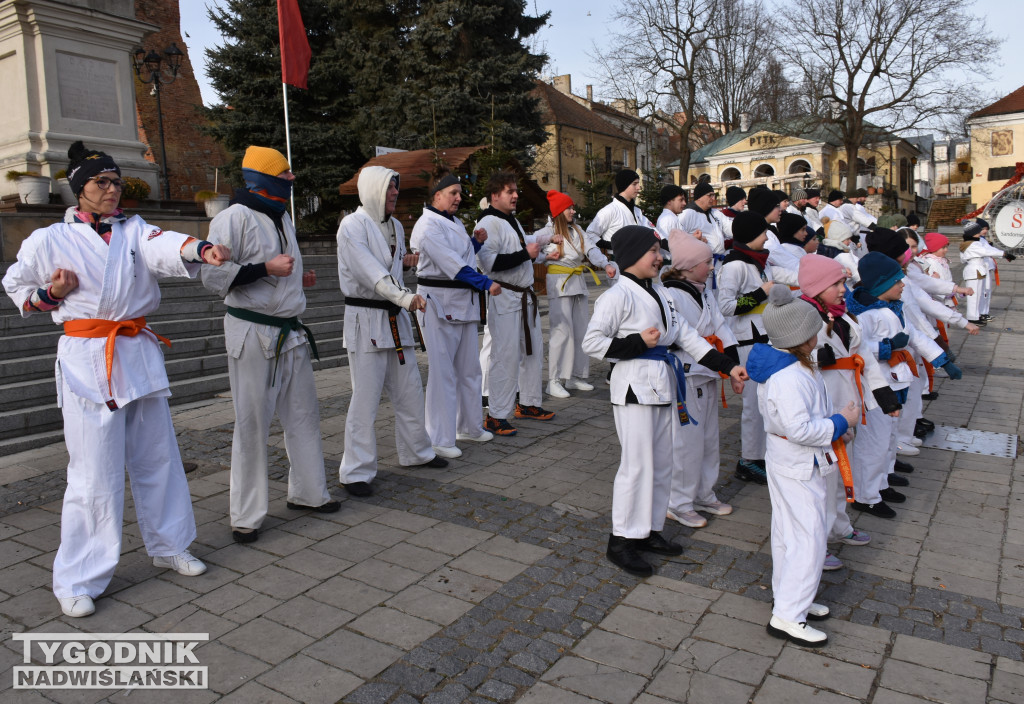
(448,452)
(916,442)
(818,612)
(499,426)
(897,480)
(329,507)
(930,396)
(881,509)
(892,496)
(655,542)
(985,317)
(715,508)
(556,390)
(907,450)
(622,552)
(77,606)
(750,471)
(979,322)
(184,563)
(578,384)
(832,563)
(904,467)
(857,537)
(690,519)
(533,413)
(799,633)
(924,424)
(484,436)
(360,489)
(250,535)
(435,463)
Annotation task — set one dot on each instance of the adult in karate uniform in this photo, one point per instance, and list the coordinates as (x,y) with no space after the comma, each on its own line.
(96,273)
(269,365)
(833,209)
(622,211)
(378,333)
(697,219)
(673,200)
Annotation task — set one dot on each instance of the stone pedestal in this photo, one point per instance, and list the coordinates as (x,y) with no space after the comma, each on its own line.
(67,75)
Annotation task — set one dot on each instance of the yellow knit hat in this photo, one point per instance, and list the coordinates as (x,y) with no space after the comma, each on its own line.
(265,160)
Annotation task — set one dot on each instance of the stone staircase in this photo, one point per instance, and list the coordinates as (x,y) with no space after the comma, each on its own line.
(196,363)
(944,212)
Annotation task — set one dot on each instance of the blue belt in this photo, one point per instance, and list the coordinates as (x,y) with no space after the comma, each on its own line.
(660,353)
(714,276)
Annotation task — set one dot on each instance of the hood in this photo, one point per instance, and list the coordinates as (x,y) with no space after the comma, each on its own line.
(765,360)
(859,300)
(373,190)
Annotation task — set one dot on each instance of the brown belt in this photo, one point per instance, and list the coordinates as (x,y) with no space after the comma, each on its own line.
(528,295)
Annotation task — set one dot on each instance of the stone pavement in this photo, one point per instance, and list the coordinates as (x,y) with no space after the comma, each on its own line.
(486,582)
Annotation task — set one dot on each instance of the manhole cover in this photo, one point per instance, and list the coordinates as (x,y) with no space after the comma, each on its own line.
(978,442)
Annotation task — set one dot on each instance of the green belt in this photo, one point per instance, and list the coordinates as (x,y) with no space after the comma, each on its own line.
(285,324)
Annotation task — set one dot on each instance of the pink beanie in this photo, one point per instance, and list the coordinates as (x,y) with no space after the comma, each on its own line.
(933,241)
(817,273)
(687,251)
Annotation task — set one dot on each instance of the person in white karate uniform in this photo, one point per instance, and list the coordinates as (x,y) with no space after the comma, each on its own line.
(793,240)
(978,258)
(673,201)
(623,209)
(568,309)
(96,273)
(516,356)
(269,364)
(801,428)
(698,220)
(378,333)
(833,209)
(696,453)
(453,291)
(809,210)
(856,215)
(633,325)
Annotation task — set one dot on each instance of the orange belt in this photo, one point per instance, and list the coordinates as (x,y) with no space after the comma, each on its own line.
(853,363)
(942,331)
(845,471)
(930,371)
(716,342)
(110,329)
(997,275)
(903,357)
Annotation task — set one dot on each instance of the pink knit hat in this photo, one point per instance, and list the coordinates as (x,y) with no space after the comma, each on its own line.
(933,241)
(817,273)
(687,251)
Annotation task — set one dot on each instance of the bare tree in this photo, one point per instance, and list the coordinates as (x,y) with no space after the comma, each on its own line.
(894,65)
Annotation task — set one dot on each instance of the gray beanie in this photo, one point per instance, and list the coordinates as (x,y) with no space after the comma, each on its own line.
(789,321)
(798,194)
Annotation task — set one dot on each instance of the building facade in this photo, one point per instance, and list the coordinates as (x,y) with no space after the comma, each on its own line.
(996,144)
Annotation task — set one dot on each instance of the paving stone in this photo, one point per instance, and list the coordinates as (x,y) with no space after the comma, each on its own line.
(352,652)
(542,693)
(735,633)
(619,651)
(266,640)
(228,669)
(394,627)
(644,625)
(253,693)
(824,673)
(460,585)
(155,596)
(942,657)
(309,616)
(449,538)
(776,690)
(932,684)
(602,682)
(428,604)
(413,557)
(307,680)
(348,594)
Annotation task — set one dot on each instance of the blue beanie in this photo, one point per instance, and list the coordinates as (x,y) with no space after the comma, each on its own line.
(878,273)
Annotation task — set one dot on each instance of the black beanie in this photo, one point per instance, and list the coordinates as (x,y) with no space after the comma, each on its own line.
(762,201)
(836,195)
(748,226)
(812,193)
(886,242)
(86,163)
(632,242)
(780,196)
(669,192)
(702,189)
(792,229)
(733,195)
(624,178)
(912,219)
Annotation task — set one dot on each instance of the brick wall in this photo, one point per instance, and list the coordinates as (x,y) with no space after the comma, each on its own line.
(191,155)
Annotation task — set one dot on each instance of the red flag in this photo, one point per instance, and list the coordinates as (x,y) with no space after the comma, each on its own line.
(295,53)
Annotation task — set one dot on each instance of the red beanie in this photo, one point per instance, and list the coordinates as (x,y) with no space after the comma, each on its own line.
(558,203)
(933,241)
(817,273)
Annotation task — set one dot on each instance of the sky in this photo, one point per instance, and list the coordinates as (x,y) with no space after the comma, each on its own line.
(576,24)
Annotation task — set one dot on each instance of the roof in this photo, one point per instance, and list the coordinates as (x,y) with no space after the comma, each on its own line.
(559,109)
(414,167)
(1014,102)
(925,143)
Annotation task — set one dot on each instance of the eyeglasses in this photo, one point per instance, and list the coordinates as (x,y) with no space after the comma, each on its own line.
(105,183)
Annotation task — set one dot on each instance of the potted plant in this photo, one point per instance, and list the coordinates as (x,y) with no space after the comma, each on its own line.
(135,189)
(64,187)
(33,188)
(213,202)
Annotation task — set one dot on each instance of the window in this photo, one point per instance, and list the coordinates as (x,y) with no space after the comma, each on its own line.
(625,158)
(904,174)
(643,162)
(607,159)
(962,150)
(940,153)
(731,174)
(588,149)
(800,166)
(1002,173)
(764,170)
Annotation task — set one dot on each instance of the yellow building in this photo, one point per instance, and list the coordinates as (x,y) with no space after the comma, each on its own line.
(997,144)
(794,154)
(577,135)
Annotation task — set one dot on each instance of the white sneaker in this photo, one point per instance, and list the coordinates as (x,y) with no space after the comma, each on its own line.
(715,508)
(77,606)
(579,384)
(447,452)
(907,450)
(799,633)
(818,612)
(690,519)
(184,563)
(915,442)
(556,390)
(484,436)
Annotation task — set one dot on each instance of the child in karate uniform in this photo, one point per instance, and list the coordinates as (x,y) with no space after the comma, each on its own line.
(801,426)
(695,453)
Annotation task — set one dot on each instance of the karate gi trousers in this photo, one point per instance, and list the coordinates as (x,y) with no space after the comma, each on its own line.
(799,531)
(914,406)
(293,397)
(837,519)
(101,443)
(974,301)
(640,492)
(510,369)
(873,457)
(695,450)
(453,382)
(567,319)
(988,285)
(753,438)
(373,372)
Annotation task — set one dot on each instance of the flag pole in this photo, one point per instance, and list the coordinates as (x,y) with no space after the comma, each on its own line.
(288,141)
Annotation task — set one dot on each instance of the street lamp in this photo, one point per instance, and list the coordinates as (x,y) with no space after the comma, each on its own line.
(150,61)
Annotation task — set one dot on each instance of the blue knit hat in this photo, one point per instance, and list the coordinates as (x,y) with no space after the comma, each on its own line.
(878,273)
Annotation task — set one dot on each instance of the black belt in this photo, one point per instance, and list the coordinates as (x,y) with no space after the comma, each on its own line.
(528,295)
(392,311)
(455,283)
(753,341)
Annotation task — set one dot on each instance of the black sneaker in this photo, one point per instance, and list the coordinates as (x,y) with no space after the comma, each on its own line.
(622,553)
(245,537)
(985,317)
(898,480)
(436,463)
(904,467)
(329,507)
(750,471)
(979,322)
(930,396)
(656,543)
(924,423)
(881,509)
(892,496)
(361,489)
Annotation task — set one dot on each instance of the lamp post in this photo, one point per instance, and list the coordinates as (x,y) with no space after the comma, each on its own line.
(151,61)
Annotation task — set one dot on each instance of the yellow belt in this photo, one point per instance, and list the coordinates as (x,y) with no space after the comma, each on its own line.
(757,309)
(571,271)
